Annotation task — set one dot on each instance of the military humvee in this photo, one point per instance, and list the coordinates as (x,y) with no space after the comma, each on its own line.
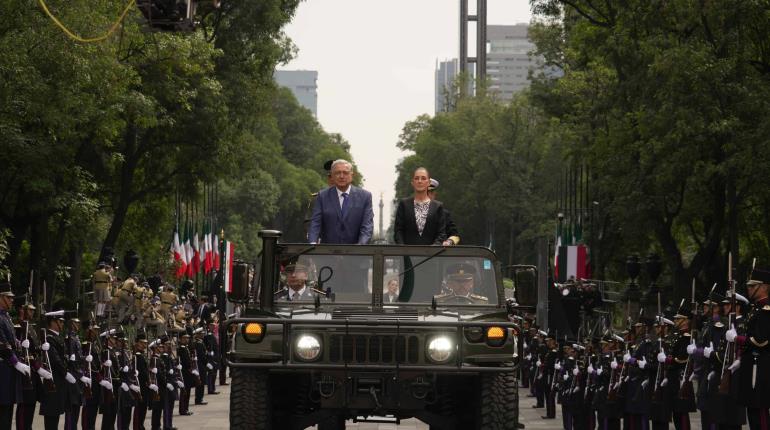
(378,333)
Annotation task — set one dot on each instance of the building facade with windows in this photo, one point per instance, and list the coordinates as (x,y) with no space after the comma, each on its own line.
(303,84)
(508,59)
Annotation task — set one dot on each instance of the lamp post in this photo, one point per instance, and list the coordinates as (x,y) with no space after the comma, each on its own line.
(632,294)
(653,267)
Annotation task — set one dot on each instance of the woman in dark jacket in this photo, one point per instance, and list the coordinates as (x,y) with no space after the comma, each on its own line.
(420,220)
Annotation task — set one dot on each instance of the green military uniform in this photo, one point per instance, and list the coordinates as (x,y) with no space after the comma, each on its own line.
(460,282)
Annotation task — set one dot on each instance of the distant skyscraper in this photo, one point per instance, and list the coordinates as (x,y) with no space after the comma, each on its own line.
(446,72)
(303,83)
(508,61)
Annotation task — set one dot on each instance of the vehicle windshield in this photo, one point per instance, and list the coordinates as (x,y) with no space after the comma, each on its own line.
(414,279)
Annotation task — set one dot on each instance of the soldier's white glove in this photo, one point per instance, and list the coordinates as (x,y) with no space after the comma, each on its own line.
(71,379)
(108,363)
(599,371)
(735,366)
(691,349)
(693,377)
(180,384)
(45,346)
(178,367)
(591,369)
(209,366)
(89,358)
(528,357)
(25,343)
(73,358)
(85,380)
(731,334)
(211,353)
(575,371)
(124,387)
(557,366)
(661,357)
(170,371)
(643,363)
(169,387)
(154,370)
(664,382)
(566,376)
(106,384)
(135,388)
(645,383)
(44,373)
(538,363)
(613,364)
(154,387)
(711,375)
(708,350)
(576,389)
(626,357)
(136,373)
(195,372)
(125,369)
(21,367)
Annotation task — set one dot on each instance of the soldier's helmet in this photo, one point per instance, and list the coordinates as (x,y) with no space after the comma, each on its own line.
(460,272)
(758,277)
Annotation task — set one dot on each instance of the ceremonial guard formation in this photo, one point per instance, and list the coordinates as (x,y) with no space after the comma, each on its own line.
(710,358)
(144,346)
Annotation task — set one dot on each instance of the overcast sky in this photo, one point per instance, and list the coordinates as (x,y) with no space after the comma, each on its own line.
(375,63)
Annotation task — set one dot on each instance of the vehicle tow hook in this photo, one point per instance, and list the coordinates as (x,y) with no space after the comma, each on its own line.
(373,393)
(326,388)
(420,388)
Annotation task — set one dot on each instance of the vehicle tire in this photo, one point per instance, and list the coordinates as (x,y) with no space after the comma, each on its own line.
(498,402)
(250,405)
(333,423)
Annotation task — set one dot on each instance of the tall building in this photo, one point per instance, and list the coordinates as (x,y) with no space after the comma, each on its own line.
(446,72)
(303,83)
(508,61)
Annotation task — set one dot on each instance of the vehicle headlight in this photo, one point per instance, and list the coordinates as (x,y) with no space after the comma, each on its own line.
(308,347)
(440,349)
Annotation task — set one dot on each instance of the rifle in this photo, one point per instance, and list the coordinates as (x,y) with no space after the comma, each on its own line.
(50,386)
(154,378)
(724,382)
(135,380)
(87,392)
(686,390)
(657,394)
(28,379)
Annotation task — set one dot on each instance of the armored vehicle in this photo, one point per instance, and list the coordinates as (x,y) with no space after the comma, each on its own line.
(381,333)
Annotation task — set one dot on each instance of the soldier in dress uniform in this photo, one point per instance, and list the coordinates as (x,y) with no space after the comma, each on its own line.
(30,347)
(707,361)
(75,378)
(676,362)
(212,356)
(731,414)
(110,380)
(156,384)
(201,365)
(460,282)
(188,378)
(637,387)
(10,365)
(91,349)
(128,391)
(167,301)
(102,283)
(125,297)
(754,352)
(143,379)
(54,399)
(174,382)
(605,400)
(550,372)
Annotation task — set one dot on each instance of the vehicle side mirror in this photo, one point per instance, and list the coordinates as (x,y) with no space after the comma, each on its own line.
(240,283)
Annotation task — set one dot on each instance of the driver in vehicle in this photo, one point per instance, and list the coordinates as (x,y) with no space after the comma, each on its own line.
(460,281)
(296,282)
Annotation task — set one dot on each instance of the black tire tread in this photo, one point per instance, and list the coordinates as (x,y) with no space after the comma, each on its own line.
(250,400)
(498,402)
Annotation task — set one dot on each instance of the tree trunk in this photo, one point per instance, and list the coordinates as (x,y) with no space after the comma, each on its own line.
(126,188)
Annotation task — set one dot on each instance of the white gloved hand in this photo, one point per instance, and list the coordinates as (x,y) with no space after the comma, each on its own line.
(180,384)
(89,358)
(691,349)
(125,369)
(73,358)
(21,367)
(45,346)
(539,363)
(599,371)
(124,387)
(209,366)
(664,382)
(25,343)
(135,388)
(211,354)
(735,366)
(731,334)
(108,363)
(613,364)
(557,366)
(154,370)
(136,373)
(591,369)
(71,379)
(566,376)
(661,357)
(528,357)
(106,384)
(195,372)
(575,371)
(708,350)
(171,371)
(44,373)
(154,387)
(626,357)
(178,367)
(85,380)
(643,363)
(169,387)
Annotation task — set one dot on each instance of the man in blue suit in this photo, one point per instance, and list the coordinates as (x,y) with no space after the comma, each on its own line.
(342,213)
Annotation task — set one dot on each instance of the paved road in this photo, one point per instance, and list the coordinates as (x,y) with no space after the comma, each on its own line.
(215,415)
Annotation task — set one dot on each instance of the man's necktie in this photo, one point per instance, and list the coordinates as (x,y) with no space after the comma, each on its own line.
(344,204)
(295,296)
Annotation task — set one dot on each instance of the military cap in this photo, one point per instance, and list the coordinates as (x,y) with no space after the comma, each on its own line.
(714,298)
(328,165)
(163,339)
(460,272)
(683,311)
(759,276)
(295,267)
(433,184)
(184,335)
(55,315)
(739,298)
(644,321)
(5,289)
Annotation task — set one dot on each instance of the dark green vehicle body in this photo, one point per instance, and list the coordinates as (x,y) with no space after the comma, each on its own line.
(376,359)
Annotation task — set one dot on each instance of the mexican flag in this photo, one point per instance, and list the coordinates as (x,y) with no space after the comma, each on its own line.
(188,250)
(179,257)
(572,262)
(207,260)
(196,260)
(228,267)
(215,255)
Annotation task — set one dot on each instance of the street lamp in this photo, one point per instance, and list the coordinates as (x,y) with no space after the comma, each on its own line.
(653,267)
(632,294)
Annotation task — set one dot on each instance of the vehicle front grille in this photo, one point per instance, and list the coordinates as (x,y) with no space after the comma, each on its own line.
(367,349)
(390,315)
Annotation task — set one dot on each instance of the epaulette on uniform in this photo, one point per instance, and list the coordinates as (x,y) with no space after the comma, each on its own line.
(443,295)
(477,297)
(766,308)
